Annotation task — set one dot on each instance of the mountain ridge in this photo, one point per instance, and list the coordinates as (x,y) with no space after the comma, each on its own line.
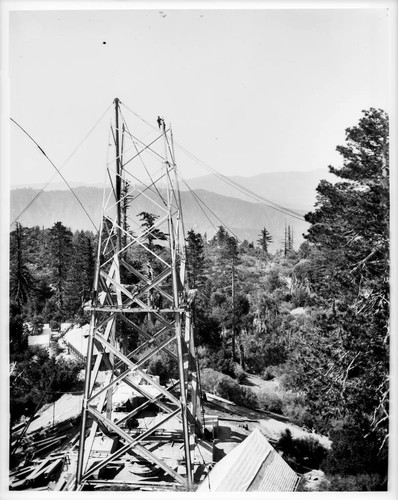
(244,219)
(294,189)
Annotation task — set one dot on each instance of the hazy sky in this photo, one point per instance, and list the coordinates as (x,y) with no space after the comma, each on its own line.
(247,91)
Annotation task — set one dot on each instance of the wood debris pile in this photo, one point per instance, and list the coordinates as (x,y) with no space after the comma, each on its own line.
(39,459)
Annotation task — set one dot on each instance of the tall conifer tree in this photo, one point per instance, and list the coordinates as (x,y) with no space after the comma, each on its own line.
(344,366)
(60,253)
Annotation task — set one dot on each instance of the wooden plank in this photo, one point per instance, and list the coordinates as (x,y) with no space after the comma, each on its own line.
(69,485)
(46,447)
(60,483)
(39,469)
(23,471)
(17,484)
(49,440)
(53,466)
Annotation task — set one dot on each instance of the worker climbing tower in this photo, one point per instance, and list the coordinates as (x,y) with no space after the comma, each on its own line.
(141,408)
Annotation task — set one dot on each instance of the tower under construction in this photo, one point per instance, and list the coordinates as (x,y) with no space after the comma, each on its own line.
(141,413)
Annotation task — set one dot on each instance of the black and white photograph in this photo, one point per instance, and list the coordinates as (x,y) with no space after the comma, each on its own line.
(198,248)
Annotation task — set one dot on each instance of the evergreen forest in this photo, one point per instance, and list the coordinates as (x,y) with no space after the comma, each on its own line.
(316,317)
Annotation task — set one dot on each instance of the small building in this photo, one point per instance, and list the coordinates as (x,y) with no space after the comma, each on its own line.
(46,329)
(76,341)
(253,465)
(40,340)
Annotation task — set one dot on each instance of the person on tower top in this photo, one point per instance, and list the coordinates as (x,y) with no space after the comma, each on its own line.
(161,123)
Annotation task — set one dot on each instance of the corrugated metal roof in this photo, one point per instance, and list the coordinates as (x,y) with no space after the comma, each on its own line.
(253,465)
(77,338)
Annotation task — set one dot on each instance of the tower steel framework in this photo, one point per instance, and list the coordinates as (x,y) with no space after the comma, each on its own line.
(140,307)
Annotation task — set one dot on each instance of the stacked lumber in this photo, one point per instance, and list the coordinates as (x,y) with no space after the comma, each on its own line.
(44,441)
(43,456)
(38,474)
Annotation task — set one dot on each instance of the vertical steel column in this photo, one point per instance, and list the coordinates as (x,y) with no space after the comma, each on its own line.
(118,186)
(87,379)
(175,247)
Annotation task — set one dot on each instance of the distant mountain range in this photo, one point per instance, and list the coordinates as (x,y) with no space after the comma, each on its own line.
(56,186)
(220,204)
(294,190)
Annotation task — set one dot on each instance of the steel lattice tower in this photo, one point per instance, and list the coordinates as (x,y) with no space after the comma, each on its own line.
(140,308)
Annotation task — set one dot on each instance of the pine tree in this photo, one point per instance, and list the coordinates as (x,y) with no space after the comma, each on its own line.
(21,279)
(17,336)
(288,240)
(345,365)
(126,202)
(227,257)
(220,238)
(147,221)
(60,253)
(264,239)
(195,259)
(81,274)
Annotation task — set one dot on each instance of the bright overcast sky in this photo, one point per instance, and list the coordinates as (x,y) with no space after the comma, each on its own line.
(247,91)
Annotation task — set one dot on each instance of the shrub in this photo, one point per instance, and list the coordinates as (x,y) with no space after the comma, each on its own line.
(355,450)
(226,387)
(54,325)
(44,380)
(220,360)
(277,370)
(298,413)
(301,297)
(225,364)
(267,375)
(209,379)
(263,350)
(274,280)
(248,398)
(360,482)
(270,401)
(285,381)
(229,389)
(305,452)
(66,373)
(295,408)
(203,355)
(240,374)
